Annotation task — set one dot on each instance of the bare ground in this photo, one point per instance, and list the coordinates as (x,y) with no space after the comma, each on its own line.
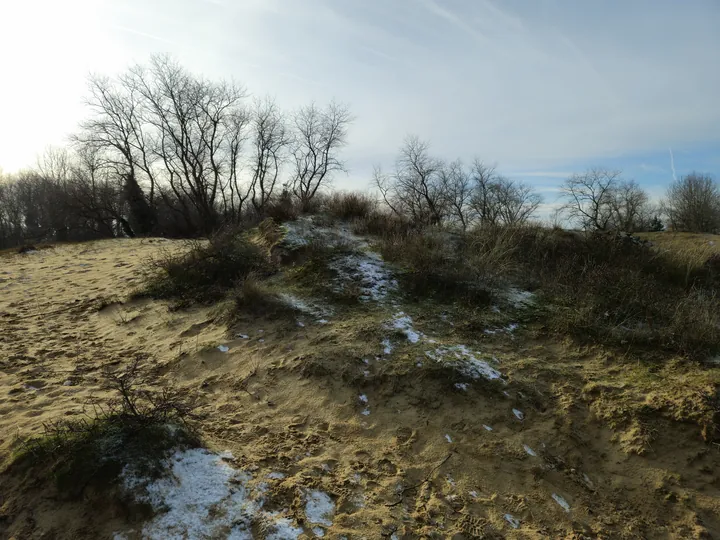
(626,444)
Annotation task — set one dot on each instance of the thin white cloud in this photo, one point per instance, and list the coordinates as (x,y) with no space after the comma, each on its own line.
(142,34)
(534,86)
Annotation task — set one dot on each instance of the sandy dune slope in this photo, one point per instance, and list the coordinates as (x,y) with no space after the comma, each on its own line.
(385,421)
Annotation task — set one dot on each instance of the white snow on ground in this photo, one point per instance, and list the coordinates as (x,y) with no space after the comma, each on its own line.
(512,520)
(387,346)
(529,450)
(319,508)
(202,496)
(562,502)
(369,271)
(223,348)
(448,438)
(464,360)
(304,306)
(487,428)
(519,298)
(304,230)
(518,414)
(404,323)
(367,268)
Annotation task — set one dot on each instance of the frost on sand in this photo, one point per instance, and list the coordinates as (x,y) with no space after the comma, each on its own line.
(369,271)
(404,324)
(204,497)
(319,508)
(464,360)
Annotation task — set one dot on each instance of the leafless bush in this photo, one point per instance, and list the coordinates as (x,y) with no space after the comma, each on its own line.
(347,206)
(138,426)
(692,204)
(428,191)
(600,199)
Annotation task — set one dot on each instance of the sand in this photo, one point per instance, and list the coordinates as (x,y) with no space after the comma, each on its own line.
(402,445)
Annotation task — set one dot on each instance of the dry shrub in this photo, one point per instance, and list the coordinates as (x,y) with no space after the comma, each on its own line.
(350,205)
(282,209)
(382,224)
(447,265)
(611,288)
(619,290)
(138,427)
(255,298)
(206,271)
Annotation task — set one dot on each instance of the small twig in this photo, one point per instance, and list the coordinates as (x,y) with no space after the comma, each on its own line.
(426,479)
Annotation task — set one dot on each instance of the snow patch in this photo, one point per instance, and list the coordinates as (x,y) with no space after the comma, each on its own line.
(404,323)
(223,348)
(369,271)
(529,450)
(319,508)
(487,428)
(519,298)
(202,496)
(465,361)
(519,414)
(512,520)
(448,438)
(462,386)
(562,502)
(303,306)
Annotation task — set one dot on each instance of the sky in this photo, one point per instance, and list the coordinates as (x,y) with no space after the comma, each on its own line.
(542,88)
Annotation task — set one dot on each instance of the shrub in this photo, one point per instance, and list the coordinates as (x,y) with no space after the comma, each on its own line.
(257,299)
(138,427)
(208,269)
(347,206)
(282,209)
(452,266)
(380,223)
(612,288)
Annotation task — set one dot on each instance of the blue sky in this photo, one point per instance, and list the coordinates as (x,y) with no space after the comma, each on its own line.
(540,87)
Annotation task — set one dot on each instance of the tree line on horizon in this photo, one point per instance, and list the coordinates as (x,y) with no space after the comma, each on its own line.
(164,152)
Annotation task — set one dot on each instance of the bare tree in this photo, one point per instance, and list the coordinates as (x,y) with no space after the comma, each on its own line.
(270,141)
(692,203)
(630,206)
(196,125)
(415,189)
(588,197)
(484,196)
(118,131)
(318,136)
(457,183)
(516,202)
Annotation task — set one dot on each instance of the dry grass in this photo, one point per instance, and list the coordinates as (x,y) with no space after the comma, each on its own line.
(209,269)
(139,427)
(349,205)
(611,289)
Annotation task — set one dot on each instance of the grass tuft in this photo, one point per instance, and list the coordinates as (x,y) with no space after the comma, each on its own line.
(208,269)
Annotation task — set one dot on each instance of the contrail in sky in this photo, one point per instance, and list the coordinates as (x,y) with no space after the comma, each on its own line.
(672,165)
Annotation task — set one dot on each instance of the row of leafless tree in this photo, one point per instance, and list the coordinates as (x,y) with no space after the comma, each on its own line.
(600,199)
(166,152)
(429,191)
